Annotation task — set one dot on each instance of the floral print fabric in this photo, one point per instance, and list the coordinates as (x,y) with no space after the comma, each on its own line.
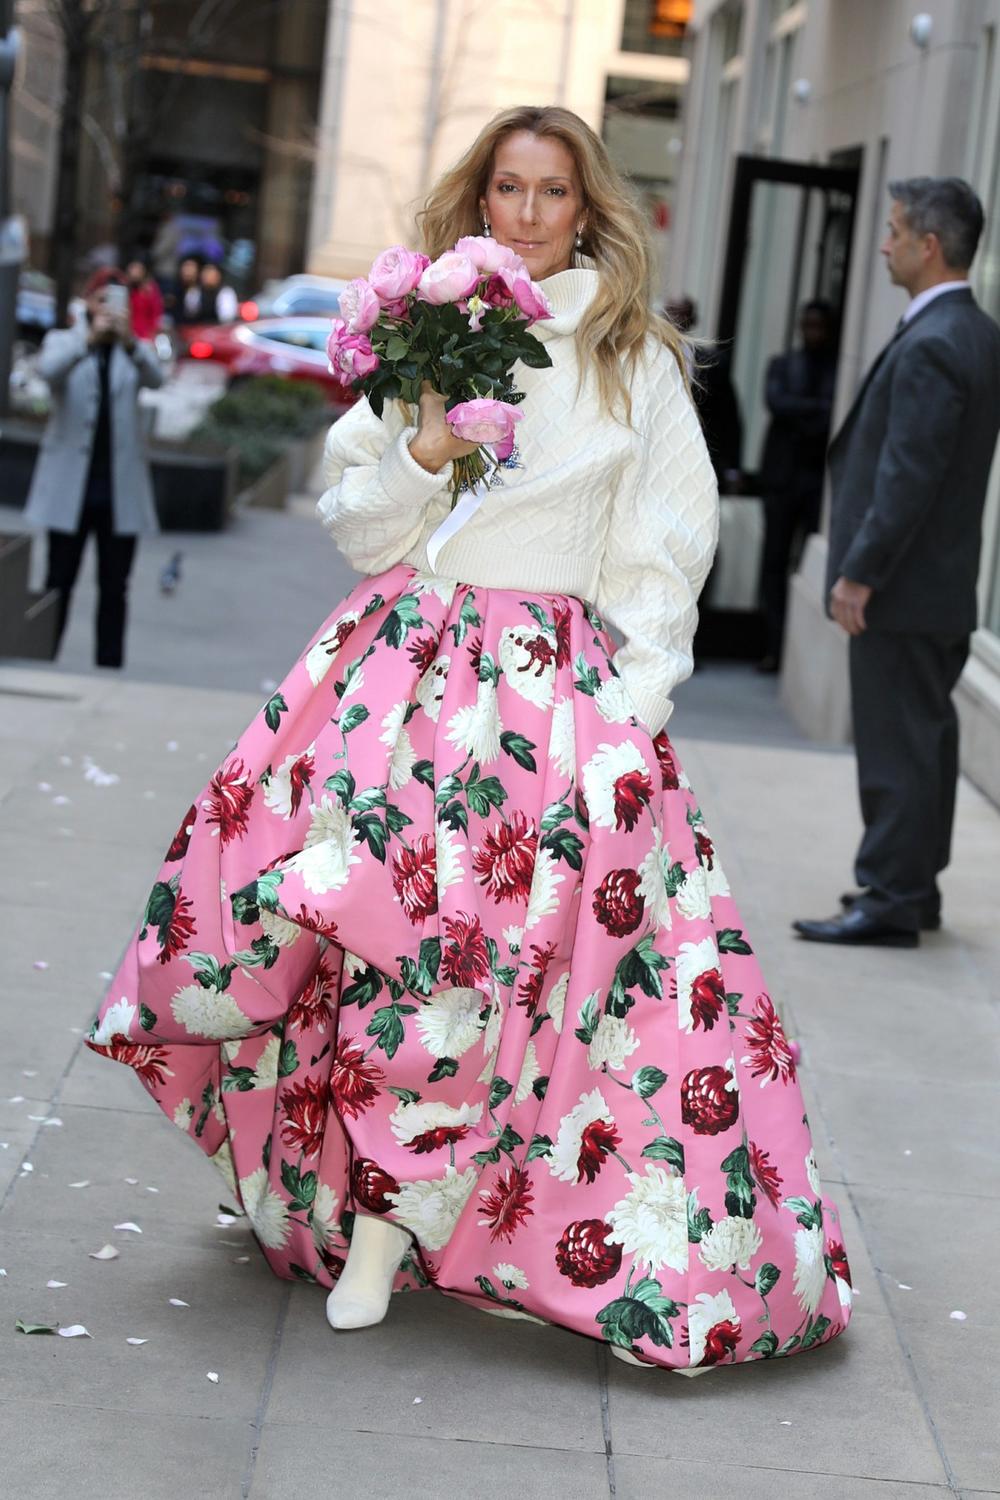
(446,939)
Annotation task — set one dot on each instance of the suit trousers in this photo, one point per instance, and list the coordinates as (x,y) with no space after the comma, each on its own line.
(906,742)
(789,517)
(114,563)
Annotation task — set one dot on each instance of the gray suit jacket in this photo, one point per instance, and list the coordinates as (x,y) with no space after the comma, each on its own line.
(909,469)
(56,496)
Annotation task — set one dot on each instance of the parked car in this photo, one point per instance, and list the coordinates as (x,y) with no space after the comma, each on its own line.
(36,304)
(295,296)
(293,347)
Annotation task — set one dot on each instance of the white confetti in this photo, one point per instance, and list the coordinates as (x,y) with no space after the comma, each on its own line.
(60,801)
(29,1072)
(26,1167)
(137,1341)
(784,1424)
(418,1400)
(149,796)
(106,1252)
(176,1302)
(904,1286)
(172,745)
(92,772)
(212,1375)
(225,1220)
(74,1331)
(959,1317)
(241,1260)
(39,963)
(37,1118)
(132,1228)
(56,1283)
(907,1153)
(151,1189)
(45,786)
(65,760)
(16,1099)
(131,1181)
(85,1182)
(105,974)
(3,1273)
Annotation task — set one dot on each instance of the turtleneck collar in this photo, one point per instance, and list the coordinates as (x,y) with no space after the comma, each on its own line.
(569,293)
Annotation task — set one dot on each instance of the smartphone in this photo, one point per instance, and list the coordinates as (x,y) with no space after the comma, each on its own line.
(116,299)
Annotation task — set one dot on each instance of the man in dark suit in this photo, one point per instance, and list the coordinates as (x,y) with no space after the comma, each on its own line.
(909,470)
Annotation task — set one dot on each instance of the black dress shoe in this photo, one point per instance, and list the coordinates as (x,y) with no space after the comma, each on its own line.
(930,921)
(854,928)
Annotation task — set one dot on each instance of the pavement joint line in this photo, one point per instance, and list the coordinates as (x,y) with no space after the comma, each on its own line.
(257,1425)
(602,1385)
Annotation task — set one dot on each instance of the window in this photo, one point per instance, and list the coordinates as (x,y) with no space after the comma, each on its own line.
(657,26)
(308,300)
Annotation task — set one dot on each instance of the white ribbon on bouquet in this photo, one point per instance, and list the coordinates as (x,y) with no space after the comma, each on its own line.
(464,511)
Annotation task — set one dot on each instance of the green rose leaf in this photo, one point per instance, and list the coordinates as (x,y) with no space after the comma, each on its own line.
(355,715)
(665,1148)
(445,1067)
(731,940)
(809,1215)
(147,1018)
(387,1025)
(766,1344)
(519,748)
(565,845)
(541,1145)
(766,1278)
(423,771)
(273,709)
(646,1081)
(815,1332)
(484,794)
(288,1060)
(589,1019)
(500,1090)
(367,984)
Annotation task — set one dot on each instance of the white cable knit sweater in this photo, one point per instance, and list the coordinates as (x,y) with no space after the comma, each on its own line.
(624,518)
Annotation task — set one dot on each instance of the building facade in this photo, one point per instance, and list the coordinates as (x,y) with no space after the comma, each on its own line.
(798,114)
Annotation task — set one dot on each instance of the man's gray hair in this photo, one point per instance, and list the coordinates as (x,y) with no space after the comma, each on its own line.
(947,207)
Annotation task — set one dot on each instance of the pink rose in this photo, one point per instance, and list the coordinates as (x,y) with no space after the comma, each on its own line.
(395,273)
(359,306)
(487,254)
(529,297)
(351,355)
(448,279)
(496,293)
(485,421)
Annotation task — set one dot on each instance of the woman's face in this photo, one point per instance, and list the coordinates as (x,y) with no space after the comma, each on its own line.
(534,202)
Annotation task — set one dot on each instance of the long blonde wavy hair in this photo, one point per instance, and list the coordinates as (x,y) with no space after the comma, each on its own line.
(614,329)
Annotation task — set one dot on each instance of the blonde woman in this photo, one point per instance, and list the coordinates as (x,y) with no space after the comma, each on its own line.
(477,1011)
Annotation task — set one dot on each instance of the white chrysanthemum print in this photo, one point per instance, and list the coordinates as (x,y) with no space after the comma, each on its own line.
(694,960)
(321,657)
(266,1211)
(183,1114)
(476,728)
(283,934)
(810,1269)
(431,1209)
(564,1158)
(692,900)
(530,1070)
(448,857)
(408,1121)
(284,787)
(223,1161)
(449,1023)
(354,680)
(614,1041)
(324,862)
(429,691)
(812,1172)
(730,1242)
(653,882)
(491,1035)
(604,768)
(398,741)
(117,1021)
(715,877)
(651,1222)
(543,898)
(612,701)
(556,1003)
(323,1219)
(512,1277)
(430,583)
(528,662)
(209,1013)
(704,1313)
(512,936)
(353,965)
(265,1074)
(562,738)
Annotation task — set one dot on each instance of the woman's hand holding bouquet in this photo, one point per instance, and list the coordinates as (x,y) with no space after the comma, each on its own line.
(444,335)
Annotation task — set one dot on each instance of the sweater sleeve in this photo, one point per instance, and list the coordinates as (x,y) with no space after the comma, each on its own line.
(661,539)
(376,492)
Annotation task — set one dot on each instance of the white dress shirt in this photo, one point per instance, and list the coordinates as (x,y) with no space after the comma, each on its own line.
(922,298)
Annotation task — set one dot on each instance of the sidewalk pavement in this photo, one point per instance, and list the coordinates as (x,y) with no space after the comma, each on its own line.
(900,1062)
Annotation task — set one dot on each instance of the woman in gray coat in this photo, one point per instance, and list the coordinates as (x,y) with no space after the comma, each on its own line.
(92,474)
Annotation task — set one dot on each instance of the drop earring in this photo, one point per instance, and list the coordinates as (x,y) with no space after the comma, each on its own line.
(579,240)
(486,226)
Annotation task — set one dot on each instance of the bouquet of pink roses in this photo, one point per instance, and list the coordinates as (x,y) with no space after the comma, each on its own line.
(459,322)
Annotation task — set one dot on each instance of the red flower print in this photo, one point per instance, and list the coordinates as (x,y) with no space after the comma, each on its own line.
(422,652)
(354,1080)
(333,1263)
(837,1256)
(633,791)
(314,922)
(707,1105)
(665,758)
(181,839)
(618,906)
(562,617)
(507,1203)
(370,1185)
(475,650)
(598,1140)
(770,1055)
(530,989)
(228,801)
(149,1062)
(414,878)
(305,1105)
(720,1341)
(178,932)
(334,642)
(584,1255)
(433,1140)
(300,773)
(505,861)
(704,848)
(314,1003)
(708,999)
(764,1175)
(464,955)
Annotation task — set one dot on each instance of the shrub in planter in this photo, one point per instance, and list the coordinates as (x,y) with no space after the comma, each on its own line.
(260,417)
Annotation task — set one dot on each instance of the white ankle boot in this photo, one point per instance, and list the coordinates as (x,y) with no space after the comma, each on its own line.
(361,1296)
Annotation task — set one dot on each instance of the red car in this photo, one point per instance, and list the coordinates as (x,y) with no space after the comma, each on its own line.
(292,347)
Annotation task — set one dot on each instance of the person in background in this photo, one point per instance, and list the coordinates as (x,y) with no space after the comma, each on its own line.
(92,474)
(145,300)
(219,303)
(909,470)
(184,304)
(799,391)
(714,397)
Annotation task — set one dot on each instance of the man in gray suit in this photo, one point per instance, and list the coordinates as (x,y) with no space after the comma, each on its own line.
(909,470)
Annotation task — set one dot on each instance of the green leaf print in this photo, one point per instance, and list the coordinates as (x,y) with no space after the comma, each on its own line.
(370,827)
(301,1188)
(395,818)
(468,615)
(509,1139)
(365,801)
(449,787)
(147,1017)
(628,1319)
(639,969)
(367,985)
(646,1081)
(237,1080)
(488,669)
(815,1332)
(261,953)
(344,785)
(375,603)
(401,619)
(355,715)
(540,1088)
(740,1200)
(405,1096)
(675,878)
(767,1344)
(288,1060)
(210,974)
(541,1145)
(485,793)
(500,1090)
(268,886)
(483,1158)
(273,709)
(731,940)
(809,1215)
(665,1148)
(455,817)
(387,1025)
(159,910)
(565,845)
(733,1003)
(538,614)
(587,679)
(589,1021)
(699,1219)
(519,748)
(766,1278)
(423,770)
(554,814)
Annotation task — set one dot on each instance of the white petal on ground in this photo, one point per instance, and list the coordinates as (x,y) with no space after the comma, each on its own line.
(137,1341)
(176,1302)
(106,1252)
(651,1222)
(959,1317)
(74,1331)
(431,1209)
(132,1228)
(54,1284)
(213,1376)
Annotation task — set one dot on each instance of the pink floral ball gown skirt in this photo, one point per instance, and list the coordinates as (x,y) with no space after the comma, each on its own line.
(446,939)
